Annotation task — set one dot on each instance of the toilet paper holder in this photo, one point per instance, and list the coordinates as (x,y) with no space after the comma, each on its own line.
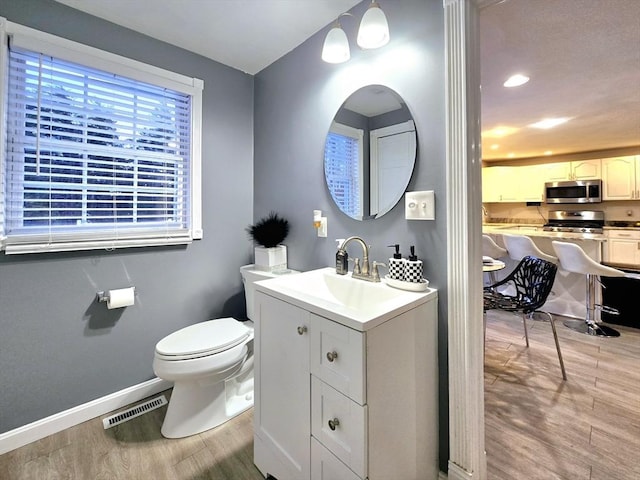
(103,296)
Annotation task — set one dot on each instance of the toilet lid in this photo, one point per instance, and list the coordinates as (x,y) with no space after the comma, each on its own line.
(206,338)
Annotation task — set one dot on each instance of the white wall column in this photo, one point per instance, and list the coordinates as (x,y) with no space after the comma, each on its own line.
(464,229)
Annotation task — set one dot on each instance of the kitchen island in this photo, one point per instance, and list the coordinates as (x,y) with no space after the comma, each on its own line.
(568,295)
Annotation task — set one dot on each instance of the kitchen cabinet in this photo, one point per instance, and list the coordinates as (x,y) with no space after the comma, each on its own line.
(512,184)
(498,184)
(623,247)
(576,170)
(333,402)
(531,183)
(621,178)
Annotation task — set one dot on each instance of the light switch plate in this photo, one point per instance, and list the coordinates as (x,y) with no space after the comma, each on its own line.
(420,205)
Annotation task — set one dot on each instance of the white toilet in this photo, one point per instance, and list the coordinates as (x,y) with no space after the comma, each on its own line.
(211,365)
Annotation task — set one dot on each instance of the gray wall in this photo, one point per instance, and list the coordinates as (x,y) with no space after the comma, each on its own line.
(295,101)
(58,348)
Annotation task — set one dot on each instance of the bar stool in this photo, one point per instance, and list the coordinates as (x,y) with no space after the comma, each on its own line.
(573,259)
(520,246)
(493,250)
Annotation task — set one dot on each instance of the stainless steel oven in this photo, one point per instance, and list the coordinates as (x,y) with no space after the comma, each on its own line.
(573,191)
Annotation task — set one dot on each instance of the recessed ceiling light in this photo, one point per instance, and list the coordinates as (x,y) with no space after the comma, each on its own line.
(550,122)
(516,80)
(548,152)
(499,132)
(495,146)
(511,155)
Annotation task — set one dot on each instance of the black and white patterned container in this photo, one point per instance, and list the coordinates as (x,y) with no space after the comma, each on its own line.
(396,268)
(413,271)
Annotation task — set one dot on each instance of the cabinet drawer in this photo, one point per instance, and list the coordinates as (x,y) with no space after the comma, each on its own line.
(340,424)
(624,234)
(337,357)
(326,466)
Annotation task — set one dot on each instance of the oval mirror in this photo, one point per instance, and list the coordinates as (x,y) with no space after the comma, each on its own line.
(370,152)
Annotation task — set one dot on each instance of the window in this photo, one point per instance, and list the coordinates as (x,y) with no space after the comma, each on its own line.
(100,151)
(343,168)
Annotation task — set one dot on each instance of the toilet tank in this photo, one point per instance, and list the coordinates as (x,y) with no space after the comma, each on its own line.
(249,276)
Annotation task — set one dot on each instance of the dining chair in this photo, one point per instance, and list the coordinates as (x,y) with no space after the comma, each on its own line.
(532,280)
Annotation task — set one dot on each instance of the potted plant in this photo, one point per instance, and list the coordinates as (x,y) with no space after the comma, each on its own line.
(268,235)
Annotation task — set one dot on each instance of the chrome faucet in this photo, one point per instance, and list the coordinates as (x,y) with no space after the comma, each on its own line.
(359,271)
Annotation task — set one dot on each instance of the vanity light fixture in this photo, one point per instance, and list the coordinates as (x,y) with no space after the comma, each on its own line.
(372,33)
(516,80)
(336,44)
(374,29)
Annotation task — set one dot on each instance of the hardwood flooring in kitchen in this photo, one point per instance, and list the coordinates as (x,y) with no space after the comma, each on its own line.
(539,427)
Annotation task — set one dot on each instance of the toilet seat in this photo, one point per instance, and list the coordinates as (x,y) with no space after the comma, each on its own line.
(203,339)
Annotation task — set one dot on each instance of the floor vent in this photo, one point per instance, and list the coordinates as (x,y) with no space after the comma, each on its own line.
(134,412)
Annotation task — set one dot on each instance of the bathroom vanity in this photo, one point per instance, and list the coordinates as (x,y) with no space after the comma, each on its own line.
(346,379)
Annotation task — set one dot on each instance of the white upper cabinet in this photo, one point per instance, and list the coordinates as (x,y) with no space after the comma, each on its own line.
(577,170)
(512,184)
(621,178)
(531,183)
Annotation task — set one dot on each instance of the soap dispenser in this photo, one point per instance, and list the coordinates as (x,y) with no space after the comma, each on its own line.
(396,265)
(413,268)
(342,259)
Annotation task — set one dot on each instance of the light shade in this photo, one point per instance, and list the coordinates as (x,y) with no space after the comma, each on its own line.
(374,29)
(336,46)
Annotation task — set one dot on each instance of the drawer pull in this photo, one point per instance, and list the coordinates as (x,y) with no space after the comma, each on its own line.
(333,423)
(331,356)
(302,330)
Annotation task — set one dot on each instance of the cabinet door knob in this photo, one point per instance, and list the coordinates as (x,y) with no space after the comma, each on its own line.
(331,356)
(333,423)
(302,330)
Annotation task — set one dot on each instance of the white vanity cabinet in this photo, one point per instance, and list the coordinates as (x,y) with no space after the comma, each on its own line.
(281,388)
(338,403)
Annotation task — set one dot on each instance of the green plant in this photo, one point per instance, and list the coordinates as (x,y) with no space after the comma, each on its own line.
(269,231)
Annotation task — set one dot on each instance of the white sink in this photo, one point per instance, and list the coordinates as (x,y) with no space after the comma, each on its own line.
(352,302)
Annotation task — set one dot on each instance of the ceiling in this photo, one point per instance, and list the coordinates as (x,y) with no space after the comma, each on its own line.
(247,35)
(583,58)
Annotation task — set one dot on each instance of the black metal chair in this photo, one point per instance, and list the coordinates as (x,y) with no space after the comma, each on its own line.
(532,280)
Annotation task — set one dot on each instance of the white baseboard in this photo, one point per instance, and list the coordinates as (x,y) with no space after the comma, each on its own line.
(442,475)
(31,432)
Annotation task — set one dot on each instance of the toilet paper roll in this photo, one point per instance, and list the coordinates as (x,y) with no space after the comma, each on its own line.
(122,297)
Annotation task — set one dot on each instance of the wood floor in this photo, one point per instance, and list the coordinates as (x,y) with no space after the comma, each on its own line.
(537,426)
(136,450)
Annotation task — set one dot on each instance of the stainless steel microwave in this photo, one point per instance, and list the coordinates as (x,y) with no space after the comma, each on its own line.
(573,191)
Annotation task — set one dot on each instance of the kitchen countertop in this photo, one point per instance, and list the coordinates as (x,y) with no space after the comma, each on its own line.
(528,230)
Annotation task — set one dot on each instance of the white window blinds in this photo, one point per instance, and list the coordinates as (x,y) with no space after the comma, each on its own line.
(93,159)
(343,168)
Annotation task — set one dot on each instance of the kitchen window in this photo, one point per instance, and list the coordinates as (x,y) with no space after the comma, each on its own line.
(100,151)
